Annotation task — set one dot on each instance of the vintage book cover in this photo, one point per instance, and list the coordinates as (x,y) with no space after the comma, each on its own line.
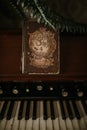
(40,49)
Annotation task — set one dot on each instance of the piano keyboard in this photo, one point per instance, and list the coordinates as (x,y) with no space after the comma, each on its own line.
(43,114)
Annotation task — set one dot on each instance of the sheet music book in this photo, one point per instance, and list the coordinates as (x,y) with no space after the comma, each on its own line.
(40,49)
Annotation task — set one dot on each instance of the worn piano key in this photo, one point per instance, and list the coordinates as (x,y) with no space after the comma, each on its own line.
(84,106)
(27,110)
(3,110)
(45,110)
(9,113)
(22,122)
(49,121)
(20,110)
(9,122)
(82,112)
(69,110)
(62,123)
(52,110)
(3,121)
(29,122)
(76,110)
(36,121)
(79,108)
(34,110)
(56,125)
(62,109)
(81,121)
(15,124)
(68,121)
(42,121)
(75,122)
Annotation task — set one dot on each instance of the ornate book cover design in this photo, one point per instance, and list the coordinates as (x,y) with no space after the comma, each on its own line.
(40,49)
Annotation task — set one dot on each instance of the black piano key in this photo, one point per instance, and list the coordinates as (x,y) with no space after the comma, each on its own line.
(76,110)
(34,110)
(3,110)
(48,110)
(27,111)
(84,106)
(31,109)
(55,109)
(1,105)
(20,110)
(69,110)
(52,110)
(45,110)
(62,110)
(9,113)
(38,109)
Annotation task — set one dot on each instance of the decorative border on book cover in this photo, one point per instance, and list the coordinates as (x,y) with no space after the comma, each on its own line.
(40,49)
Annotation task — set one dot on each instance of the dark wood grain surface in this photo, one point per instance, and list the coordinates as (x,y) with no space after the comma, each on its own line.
(73,57)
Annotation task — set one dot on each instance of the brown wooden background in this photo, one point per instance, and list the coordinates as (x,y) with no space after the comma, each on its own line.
(73,58)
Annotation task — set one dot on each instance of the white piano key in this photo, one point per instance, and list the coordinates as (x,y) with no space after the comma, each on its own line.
(42,121)
(3,121)
(2,124)
(67,120)
(22,121)
(49,121)
(80,108)
(74,120)
(83,112)
(49,124)
(29,123)
(81,120)
(56,120)
(15,124)
(36,121)
(82,124)
(55,124)
(10,122)
(75,124)
(69,124)
(61,121)
(22,124)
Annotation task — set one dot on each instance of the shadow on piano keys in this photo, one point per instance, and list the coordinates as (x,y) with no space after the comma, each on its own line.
(43,105)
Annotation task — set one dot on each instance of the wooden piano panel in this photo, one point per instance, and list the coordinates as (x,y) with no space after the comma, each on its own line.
(74,54)
(73,57)
(10,52)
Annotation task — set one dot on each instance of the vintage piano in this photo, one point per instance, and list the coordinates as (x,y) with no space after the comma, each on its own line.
(37,101)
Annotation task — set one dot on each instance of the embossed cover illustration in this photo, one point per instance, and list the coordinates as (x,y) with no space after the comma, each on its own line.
(40,49)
